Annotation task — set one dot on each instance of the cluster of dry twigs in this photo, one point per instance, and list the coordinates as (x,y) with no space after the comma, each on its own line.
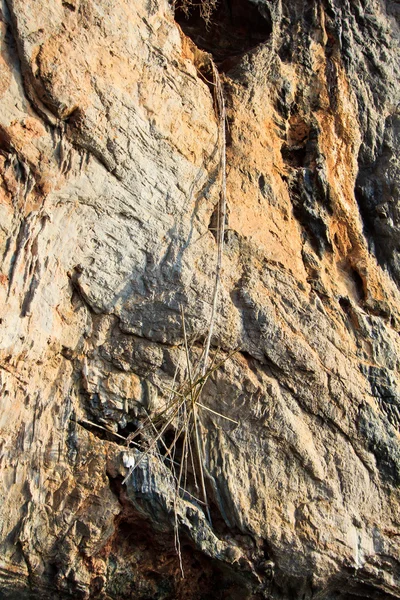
(180,413)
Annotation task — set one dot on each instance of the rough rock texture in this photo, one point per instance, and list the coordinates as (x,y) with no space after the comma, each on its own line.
(109,165)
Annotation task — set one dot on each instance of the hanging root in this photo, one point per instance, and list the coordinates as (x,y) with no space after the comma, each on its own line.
(221,116)
(182,409)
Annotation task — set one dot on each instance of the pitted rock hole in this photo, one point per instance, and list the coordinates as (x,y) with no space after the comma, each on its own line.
(235,27)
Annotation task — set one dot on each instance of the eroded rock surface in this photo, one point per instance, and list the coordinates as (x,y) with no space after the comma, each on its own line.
(110,182)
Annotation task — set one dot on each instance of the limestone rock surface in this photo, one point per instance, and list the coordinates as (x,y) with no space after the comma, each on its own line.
(110,181)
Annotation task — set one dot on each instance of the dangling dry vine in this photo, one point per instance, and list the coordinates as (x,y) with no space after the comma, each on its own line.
(181,412)
(221,116)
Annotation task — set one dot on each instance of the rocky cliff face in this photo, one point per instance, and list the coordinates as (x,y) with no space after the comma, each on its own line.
(110,169)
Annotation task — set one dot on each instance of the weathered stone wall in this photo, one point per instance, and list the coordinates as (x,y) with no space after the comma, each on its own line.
(110,180)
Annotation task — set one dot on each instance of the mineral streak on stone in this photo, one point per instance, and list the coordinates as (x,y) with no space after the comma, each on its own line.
(109,184)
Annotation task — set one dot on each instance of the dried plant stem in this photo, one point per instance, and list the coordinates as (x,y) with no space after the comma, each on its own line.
(153,443)
(214,412)
(221,116)
(182,411)
(198,440)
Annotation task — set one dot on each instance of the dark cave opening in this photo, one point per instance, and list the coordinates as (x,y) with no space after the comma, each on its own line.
(345,305)
(294,156)
(170,446)
(235,27)
(129,429)
(358,284)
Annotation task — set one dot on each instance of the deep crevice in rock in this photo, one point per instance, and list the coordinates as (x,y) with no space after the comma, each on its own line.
(345,305)
(294,157)
(358,284)
(236,27)
(129,429)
